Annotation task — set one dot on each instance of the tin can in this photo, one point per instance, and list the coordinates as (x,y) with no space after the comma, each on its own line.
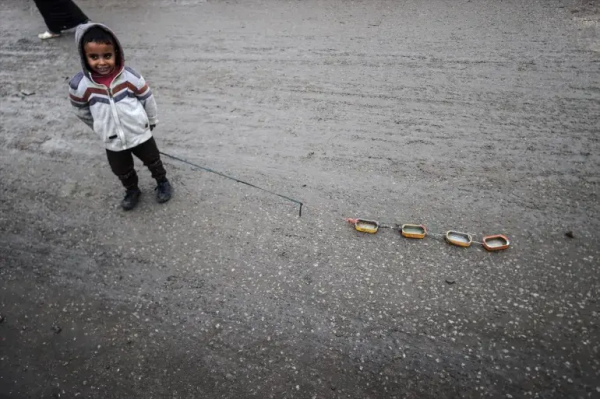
(413,231)
(495,242)
(458,238)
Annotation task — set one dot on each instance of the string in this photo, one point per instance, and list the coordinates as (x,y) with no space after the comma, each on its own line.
(235,180)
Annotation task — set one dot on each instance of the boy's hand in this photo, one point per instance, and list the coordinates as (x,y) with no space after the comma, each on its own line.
(152,127)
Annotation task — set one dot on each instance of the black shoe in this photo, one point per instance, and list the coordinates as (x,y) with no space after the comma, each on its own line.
(163,191)
(132,196)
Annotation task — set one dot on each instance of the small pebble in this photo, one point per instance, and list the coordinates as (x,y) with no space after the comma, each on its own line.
(570,234)
(450,281)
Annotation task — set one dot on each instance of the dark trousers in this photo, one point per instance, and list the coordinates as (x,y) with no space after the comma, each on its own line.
(60,14)
(121,163)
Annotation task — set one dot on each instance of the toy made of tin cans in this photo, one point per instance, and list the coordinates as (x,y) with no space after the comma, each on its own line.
(496,242)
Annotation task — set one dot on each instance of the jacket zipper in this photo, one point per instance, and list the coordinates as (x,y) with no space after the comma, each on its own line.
(113,108)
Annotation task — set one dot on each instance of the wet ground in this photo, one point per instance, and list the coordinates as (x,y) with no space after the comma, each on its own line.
(479,116)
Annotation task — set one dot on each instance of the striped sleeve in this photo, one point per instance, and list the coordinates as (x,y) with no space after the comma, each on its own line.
(144,94)
(79,100)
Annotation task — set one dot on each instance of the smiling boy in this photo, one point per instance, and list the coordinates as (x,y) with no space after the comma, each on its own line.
(116,102)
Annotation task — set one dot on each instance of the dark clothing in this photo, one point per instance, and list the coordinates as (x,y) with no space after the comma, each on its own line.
(60,15)
(121,163)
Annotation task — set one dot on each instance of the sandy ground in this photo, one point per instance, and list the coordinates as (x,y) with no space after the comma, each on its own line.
(475,115)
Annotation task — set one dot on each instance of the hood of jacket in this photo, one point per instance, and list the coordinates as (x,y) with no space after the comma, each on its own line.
(80,32)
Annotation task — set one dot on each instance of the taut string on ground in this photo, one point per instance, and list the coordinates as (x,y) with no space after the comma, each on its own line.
(235,179)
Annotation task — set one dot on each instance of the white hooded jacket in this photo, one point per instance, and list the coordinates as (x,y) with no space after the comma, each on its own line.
(120,114)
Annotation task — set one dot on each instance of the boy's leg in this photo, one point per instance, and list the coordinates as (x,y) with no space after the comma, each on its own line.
(148,153)
(121,163)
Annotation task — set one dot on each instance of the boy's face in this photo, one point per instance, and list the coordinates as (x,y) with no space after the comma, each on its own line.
(100,57)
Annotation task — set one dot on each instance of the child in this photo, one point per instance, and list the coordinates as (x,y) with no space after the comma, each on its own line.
(116,102)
